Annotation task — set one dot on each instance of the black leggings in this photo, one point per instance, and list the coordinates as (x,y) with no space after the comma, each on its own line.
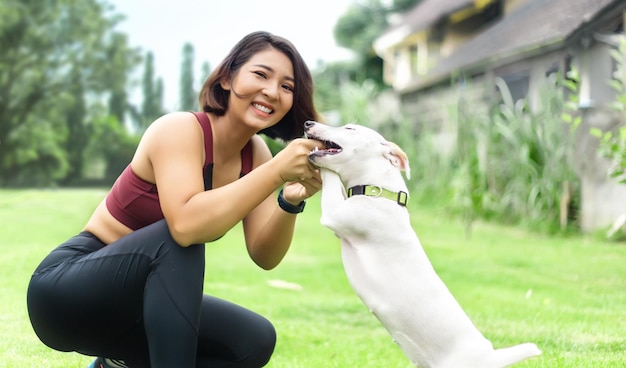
(140,299)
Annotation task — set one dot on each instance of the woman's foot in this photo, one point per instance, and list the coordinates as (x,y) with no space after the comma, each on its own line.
(107,363)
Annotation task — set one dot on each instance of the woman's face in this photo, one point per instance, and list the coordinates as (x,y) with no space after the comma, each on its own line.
(262,90)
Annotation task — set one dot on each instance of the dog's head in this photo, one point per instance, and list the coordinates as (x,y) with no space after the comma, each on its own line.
(351,148)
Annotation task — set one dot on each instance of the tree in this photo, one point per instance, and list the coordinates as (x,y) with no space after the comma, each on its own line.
(120,61)
(77,132)
(357,29)
(188,100)
(327,77)
(152,88)
(402,6)
(206,71)
(51,53)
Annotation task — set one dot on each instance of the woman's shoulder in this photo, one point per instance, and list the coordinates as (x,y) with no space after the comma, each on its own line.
(174,123)
(260,150)
(173,129)
(177,118)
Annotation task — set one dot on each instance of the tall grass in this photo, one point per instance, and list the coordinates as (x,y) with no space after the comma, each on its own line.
(613,143)
(530,158)
(511,163)
(567,294)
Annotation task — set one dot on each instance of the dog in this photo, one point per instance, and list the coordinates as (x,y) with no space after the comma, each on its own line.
(364,198)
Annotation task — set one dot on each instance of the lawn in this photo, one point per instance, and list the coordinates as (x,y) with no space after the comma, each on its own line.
(567,294)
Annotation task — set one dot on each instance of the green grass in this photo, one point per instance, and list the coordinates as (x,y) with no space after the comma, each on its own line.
(566,294)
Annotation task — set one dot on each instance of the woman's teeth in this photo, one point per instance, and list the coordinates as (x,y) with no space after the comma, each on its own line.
(266,110)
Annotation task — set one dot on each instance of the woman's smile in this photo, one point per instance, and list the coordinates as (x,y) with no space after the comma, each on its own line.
(266,109)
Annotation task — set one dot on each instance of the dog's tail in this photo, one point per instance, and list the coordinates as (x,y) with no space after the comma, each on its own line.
(514,354)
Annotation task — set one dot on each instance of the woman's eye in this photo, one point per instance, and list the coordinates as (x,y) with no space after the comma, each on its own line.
(260,74)
(288,87)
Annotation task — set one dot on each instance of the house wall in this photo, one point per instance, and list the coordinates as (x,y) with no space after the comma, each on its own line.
(457,34)
(596,67)
(402,67)
(511,5)
(436,109)
(527,77)
(602,199)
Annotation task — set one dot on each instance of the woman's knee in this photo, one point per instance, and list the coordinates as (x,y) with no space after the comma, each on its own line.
(235,334)
(261,344)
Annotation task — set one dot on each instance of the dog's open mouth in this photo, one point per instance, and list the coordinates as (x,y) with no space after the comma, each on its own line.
(330,147)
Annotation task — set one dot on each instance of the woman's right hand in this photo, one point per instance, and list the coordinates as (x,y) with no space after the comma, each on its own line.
(294,160)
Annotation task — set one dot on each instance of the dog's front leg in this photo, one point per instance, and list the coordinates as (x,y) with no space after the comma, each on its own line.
(333,194)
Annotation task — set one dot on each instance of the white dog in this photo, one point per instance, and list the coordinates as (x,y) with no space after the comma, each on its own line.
(383,258)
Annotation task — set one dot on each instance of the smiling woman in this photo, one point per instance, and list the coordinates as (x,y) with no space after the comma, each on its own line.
(287,80)
(129,287)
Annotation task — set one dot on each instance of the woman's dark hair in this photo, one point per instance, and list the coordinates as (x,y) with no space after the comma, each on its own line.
(213,98)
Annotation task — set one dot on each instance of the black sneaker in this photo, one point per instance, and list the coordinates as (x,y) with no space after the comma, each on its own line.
(107,363)
(98,363)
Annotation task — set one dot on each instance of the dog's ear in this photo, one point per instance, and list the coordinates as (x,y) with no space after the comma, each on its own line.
(398,158)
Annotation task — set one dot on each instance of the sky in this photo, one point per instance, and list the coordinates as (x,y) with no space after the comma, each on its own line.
(214,26)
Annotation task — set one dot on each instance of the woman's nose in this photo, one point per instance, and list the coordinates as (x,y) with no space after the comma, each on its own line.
(271,91)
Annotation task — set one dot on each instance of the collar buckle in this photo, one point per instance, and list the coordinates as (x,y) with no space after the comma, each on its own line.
(401,197)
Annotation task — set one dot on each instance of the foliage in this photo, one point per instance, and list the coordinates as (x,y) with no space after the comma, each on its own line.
(328,79)
(57,60)
(112,143)
(356,30)
(470,178)
(513,164)
(529,158)
(205,71)
(571,114)
(77,133)
(564,293)
(366,21)
(355,99)
(188,95)
(363,22)
(275,145)
(613,144)
(152,88)
(402,6)
(121,61)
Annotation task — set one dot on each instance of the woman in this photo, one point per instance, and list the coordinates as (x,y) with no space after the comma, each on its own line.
(128,288)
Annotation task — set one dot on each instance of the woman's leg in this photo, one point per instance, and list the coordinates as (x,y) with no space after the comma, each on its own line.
(232,336)
(105,300)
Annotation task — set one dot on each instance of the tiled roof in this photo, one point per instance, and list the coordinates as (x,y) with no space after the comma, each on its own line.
(536,25)
(429,12)
(423,16)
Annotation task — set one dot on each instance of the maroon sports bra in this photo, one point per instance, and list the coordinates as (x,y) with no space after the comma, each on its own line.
(135,202)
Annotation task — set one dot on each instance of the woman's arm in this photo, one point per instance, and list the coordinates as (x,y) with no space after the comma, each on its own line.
(269,228)
(174,146)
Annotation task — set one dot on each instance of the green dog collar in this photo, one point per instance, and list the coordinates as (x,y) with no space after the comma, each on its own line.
(401,198)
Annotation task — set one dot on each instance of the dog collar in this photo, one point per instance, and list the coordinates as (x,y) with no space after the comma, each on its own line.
(401,198)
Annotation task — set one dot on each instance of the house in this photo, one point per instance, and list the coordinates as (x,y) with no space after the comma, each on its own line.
(518,42)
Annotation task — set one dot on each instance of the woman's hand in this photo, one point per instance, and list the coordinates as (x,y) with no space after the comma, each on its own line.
(293,160)
(301,178)
(295,192)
